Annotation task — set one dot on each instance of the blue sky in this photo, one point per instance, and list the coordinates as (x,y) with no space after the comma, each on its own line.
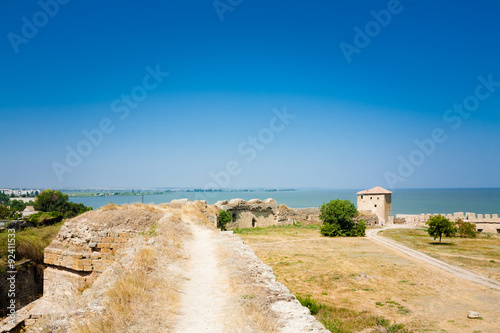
(264,97)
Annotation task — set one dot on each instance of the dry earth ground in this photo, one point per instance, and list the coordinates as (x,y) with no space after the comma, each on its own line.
(362,275)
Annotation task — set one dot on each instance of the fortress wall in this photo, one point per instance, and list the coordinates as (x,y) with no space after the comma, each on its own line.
(484,222)
(69,272)
(249,219)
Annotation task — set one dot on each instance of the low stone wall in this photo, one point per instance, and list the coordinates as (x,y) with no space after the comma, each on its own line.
(71,271)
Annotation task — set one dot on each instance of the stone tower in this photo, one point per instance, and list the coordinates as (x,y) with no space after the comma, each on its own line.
(377,201)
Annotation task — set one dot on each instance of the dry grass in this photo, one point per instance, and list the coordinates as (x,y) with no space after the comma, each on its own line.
(140,291)
(139,301)
(253,300)
(110,206)
(480,255)
(362,282)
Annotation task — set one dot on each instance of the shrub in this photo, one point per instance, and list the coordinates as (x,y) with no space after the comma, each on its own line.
(331,230)
(41,218)
(465,229)
(223,219)
(337,217)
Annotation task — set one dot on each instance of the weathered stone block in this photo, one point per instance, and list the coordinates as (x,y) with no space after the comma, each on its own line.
(86,262)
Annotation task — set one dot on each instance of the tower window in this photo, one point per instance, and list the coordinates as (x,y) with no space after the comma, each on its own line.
(375,205)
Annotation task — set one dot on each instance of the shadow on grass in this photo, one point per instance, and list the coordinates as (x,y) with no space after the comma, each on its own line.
(443,243)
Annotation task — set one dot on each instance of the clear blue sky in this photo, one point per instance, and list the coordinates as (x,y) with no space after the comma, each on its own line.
(68,68)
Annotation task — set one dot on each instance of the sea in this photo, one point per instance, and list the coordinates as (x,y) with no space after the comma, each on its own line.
(404,201)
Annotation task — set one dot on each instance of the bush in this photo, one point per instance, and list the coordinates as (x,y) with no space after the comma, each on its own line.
(337,217)
(223,219)
(465,229)
(331,230)
(41,218)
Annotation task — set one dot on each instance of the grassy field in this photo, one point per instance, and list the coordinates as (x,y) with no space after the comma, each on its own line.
(30,243)
(480,255)
(356,284)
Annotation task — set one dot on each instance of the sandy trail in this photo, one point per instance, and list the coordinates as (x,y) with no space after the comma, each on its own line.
(372,234)
(205,303)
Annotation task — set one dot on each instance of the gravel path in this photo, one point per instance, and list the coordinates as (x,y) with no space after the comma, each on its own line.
(372,234)
(205,304)
(208,305)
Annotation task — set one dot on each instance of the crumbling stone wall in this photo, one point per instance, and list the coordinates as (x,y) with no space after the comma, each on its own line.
(258,213)
(87,245)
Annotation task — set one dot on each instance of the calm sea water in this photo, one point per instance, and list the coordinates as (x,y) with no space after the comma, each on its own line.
(407,201)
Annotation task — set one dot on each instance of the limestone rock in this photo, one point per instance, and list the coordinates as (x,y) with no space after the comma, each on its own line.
(255,201)
(237,202)
(474,315)
(180,201)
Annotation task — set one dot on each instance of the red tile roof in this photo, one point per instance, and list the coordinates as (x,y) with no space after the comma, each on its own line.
(375,190)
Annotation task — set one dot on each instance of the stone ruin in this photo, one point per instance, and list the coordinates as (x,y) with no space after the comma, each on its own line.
(258,213)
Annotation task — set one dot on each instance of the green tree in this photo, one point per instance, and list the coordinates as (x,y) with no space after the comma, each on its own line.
(51,201)
(439,226)
(337,217)
(223,219)
(465,229)
(17,205)
(54,201)
(4,198)
(6,213)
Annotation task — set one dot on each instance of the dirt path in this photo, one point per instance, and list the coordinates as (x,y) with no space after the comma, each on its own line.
(372,234)
(205,303)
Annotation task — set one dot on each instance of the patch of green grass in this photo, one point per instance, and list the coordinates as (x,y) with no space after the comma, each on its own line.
(282,229)
(251,296)
(342,320)
(309,303)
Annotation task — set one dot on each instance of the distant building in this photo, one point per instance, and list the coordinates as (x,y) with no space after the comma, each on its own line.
(377,201)
(29,210)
